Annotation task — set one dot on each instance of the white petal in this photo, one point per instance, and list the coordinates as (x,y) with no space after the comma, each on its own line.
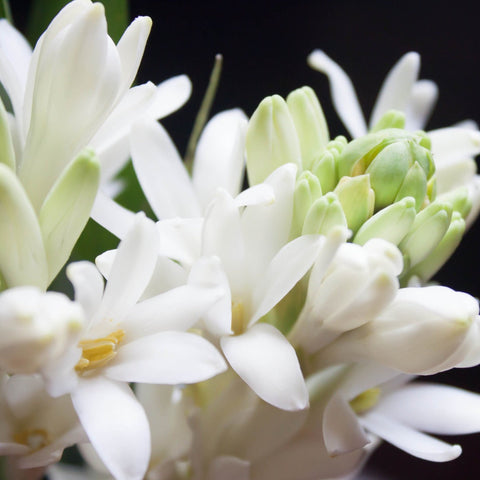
(288,266)
(116,425)
(424,97)
(397,87)
(409,440)
(177,309)
(220,158)
(260,194)
(130,49)
(341,430)
(88,285)
(131,270)
(454,143)
(233,468)
(161,173)
(171,95)
(112,216)
(267,362)
(166,358)
(433,408)
(343,93)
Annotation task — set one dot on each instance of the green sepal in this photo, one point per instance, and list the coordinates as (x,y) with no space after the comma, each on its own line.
(391,223)
(414,185)
(67,208)
(390,119)
(459,199)
(325,213)
(310,124)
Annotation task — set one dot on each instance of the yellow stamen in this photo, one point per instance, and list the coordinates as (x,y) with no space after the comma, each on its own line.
(366,400)
(98,352)
(238,318)
(35,438)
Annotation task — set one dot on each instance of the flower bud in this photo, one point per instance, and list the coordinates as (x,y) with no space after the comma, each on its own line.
(307,190)
(310,124)
(459,199)
(357,199)
(324,214)
(391,223)
(391,119)
(325,166)
(271,139)
(418,333)
(35,327)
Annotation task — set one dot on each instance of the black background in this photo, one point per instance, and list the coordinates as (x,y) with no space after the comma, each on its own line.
(265,45)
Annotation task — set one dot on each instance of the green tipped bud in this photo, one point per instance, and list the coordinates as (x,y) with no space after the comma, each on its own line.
(7,153)
(309,122)
(325,213)
(459,199)
(392,223)
(442,252)
(391,119)
(414,185)
(271,139)
(307,190)
(325,166)
(427,231)
(357,199)
(66,209)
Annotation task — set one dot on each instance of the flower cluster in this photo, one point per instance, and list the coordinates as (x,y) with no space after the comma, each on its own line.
(269,333)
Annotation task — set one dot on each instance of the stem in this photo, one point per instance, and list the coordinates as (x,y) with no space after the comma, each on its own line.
(6,11)
(203,112)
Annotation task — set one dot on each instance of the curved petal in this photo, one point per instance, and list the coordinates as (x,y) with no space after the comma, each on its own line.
(161,173)
(167,358)
(433,408)
(170,96)
(267,362)
(396,90)
(219,158)
(409,440)
(424,98)
(116,425)
(88,285)
(453,143)
(260,194)
(343,93)
(131,270)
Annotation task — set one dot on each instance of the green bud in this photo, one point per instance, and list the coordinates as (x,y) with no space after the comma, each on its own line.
(390,119)
(459,199)
(414,185)
(325,166)
(391,223)
(427,231)
(22,255)
(442,252)
(325,213)
(307,190)
(7,152)
(310,124)
(271,139)
(357,199)
(66,209)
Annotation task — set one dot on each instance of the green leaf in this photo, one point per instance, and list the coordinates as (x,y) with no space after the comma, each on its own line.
(5,11)
(42,13)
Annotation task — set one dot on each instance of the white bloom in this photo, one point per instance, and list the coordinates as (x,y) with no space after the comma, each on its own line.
(35,427)
(125,341)
(36,328)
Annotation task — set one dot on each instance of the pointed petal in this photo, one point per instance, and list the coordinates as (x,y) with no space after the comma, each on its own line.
(343,93)
(161,173)
(171,95)
(288,266)
(219,158)
(424,98)
(341,431)
(260,194)
(453,143)
(116,425)
(166,358)
(434,408)
(413,442)
(267,362)
(22,254)
(131,47)
(88,285)
(397,87)
(131,270)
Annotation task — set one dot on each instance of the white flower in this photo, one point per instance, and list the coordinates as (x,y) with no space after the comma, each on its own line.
(35,427)
(125,341)
(36,328)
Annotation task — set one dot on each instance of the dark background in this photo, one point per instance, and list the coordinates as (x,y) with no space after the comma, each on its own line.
(265,45)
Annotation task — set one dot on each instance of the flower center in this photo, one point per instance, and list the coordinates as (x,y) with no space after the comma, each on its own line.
(98,352)
(35,438)
(238,318)
(366,400)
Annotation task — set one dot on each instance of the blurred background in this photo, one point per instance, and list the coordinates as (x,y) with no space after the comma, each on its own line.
(265,44)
